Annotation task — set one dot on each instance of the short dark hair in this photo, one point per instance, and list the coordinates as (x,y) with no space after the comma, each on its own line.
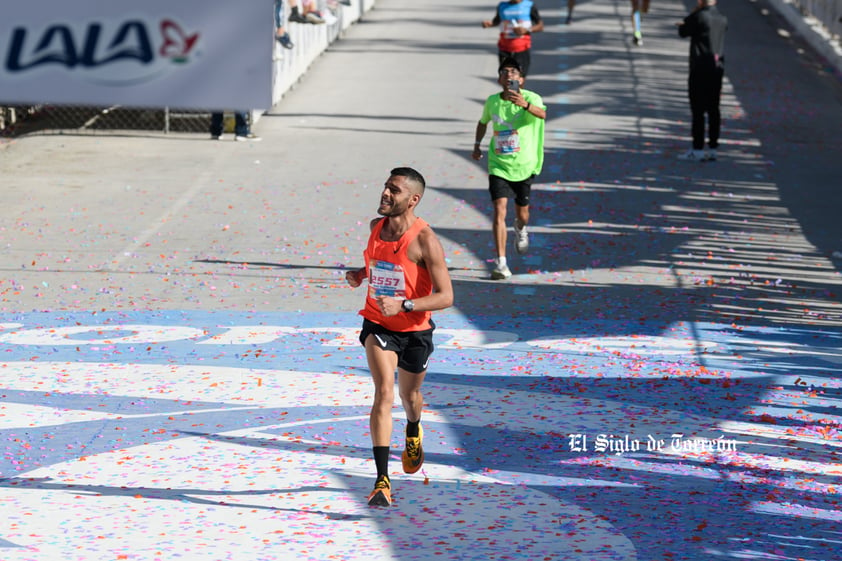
(410,174)
(509,62)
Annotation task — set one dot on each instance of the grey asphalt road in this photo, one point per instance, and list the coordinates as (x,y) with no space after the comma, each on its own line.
(620,227)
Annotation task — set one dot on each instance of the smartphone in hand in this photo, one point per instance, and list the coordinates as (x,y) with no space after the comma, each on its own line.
(514,86)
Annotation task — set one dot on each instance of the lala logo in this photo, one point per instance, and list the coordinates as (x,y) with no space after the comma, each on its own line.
(119,53)
(177,44)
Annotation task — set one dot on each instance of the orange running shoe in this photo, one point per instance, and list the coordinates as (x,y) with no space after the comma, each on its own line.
(413,456)
(382,493)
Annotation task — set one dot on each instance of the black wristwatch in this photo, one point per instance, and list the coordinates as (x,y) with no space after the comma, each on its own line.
(407,305)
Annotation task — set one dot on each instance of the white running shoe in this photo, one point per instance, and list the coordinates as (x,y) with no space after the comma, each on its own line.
(693,156)
(521,240)
(500,273)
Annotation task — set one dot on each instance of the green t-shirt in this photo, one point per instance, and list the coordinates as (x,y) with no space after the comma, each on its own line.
(516,150)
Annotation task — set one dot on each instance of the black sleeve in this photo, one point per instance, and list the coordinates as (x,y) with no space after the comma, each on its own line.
(686,29)
(534,15)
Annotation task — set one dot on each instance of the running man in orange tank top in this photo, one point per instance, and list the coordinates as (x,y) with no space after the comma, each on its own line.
(407,280)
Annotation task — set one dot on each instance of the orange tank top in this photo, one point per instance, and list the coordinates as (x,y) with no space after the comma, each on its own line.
(392,273)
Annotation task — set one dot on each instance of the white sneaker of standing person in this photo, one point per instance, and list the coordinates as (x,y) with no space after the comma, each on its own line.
(246,137)
(693,156)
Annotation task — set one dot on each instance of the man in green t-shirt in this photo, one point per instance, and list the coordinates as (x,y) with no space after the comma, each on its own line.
(515,156)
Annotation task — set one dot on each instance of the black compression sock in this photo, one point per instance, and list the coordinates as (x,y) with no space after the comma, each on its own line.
(381,460)
(412,428)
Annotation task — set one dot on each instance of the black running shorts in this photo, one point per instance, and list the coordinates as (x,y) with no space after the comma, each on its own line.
(412,347)
(504,189)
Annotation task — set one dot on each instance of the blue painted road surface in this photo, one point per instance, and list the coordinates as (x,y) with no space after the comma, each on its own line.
(168,435)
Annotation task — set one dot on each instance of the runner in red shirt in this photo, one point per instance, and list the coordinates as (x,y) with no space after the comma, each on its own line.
(518,20)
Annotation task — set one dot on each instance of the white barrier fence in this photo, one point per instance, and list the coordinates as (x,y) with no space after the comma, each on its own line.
(310,42)
(819,22)
(826,12)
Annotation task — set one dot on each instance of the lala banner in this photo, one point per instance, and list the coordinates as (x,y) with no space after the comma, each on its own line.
(202,54)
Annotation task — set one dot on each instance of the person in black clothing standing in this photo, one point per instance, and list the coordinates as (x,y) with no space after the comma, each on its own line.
(705,27)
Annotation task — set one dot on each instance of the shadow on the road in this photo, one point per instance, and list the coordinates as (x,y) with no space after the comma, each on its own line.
(621,229)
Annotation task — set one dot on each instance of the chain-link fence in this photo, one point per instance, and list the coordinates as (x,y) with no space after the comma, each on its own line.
(15,121)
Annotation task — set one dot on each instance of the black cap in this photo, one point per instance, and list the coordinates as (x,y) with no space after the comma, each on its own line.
(510,62)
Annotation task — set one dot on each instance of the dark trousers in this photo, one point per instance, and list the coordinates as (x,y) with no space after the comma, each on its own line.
(522,58)
(705,89)
(241,123)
